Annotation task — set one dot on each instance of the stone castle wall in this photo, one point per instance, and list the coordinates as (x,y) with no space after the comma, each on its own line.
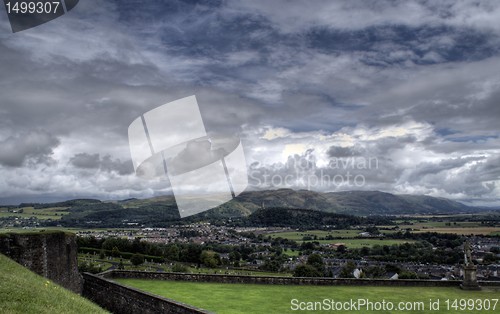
(49,254)
(273,280)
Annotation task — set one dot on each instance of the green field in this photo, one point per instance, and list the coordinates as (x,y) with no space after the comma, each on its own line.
(249,298)
(22,291)
(359,243)
(298,235)
(66,229)
(340,236)
(446,226)
(54,213)
(464,231)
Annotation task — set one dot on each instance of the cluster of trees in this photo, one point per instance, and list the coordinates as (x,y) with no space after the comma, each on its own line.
(306,219)
(422,252)
(444,240)
(377,271)
(314,267)
(189,253)
(424,248)
(492,256)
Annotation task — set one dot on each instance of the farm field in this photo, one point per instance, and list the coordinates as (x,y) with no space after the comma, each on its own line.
(454,224)
(464,231)
(462,227)
(250,298)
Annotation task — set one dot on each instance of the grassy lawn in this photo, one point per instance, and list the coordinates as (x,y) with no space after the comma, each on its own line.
(22,291)
(289,252)
(247,298)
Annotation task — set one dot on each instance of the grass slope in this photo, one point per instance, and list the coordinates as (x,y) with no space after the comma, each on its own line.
(22,291)
(247,298)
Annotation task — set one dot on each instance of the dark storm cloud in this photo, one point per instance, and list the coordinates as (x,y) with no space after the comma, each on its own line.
(35,146)
(86,161)
(479,169)
(122,168)
(428,168)
(106,163)
(396,44)
(339,151)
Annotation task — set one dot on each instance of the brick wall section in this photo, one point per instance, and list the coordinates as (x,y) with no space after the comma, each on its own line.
(118,299)
(285,280)
(49,254)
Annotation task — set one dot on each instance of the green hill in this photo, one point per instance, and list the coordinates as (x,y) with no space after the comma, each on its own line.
(359,203)
(380,203)
(23,291)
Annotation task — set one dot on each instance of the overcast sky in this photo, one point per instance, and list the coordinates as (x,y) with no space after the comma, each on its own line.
(412,84)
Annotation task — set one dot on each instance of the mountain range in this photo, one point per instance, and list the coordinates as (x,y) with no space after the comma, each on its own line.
(252,207)
(360,203)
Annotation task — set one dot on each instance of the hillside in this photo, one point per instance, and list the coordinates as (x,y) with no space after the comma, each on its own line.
(380,203)
(352,202)
(23,291)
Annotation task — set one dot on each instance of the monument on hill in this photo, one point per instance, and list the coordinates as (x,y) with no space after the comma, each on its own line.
(470,270)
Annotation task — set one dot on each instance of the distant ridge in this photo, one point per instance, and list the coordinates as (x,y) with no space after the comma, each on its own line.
(157,211)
